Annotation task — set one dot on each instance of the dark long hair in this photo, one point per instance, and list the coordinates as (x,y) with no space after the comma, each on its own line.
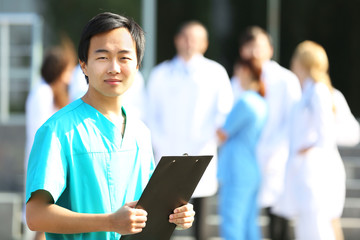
(256,72)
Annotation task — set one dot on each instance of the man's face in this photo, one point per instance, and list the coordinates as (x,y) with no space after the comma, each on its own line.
(259,49)
(192,40)
(112,63)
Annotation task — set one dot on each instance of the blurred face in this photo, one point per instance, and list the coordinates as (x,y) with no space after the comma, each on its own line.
(259,49)
(65,76)
(192,40)
(112,63)
(299,70)
(243,74)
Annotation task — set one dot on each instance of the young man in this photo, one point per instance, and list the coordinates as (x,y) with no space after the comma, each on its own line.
(90,160)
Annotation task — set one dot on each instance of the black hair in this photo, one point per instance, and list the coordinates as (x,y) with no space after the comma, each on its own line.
(188,24)
(107,21)
(251,33)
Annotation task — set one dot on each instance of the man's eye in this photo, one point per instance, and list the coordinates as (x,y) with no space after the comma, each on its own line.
(101,58)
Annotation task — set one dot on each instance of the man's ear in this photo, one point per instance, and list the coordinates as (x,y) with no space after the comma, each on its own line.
(83,67)
(204,47)
(271,51)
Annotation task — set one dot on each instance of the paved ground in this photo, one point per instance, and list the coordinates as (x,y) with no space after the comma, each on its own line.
(12,139)
(351,215)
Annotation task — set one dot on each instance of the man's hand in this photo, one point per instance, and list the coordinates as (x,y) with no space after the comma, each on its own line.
(128,219)
(183,216)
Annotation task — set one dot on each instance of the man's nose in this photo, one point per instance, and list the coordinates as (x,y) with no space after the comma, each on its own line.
(114,67)
(256,53)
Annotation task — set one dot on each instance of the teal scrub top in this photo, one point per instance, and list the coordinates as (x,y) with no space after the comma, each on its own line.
(80,157)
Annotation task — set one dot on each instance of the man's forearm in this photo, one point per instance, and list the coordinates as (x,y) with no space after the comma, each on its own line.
(55,219)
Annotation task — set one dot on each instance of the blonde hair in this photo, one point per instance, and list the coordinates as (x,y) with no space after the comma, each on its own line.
(313,58)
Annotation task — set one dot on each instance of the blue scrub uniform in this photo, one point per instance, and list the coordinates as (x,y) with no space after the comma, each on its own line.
(238,170)
(82,160)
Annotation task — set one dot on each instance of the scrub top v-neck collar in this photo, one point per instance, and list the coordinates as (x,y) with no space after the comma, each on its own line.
(116,137)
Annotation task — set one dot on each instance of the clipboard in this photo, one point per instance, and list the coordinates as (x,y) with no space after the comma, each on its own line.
(171,185)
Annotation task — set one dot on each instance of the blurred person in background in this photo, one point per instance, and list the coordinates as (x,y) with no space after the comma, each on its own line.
(314,192)
(78,85)
(347,135)
(238,171)
(188,99)
(50,94)
(282,93)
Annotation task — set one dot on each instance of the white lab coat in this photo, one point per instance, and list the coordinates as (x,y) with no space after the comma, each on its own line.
(283,91)
(78,85)
(134,98)
(273,168)
(39,107)
(347,127)
(187,102)
(314,191)
(315,180)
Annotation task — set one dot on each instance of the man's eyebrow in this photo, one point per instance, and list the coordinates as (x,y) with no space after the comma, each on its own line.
(124,51)
(101,51)
(107,51)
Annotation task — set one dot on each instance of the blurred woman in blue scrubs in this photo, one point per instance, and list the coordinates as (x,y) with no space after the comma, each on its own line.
(238,171)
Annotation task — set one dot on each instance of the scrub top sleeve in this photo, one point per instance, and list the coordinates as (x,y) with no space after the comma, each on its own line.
(47,169)
(236,118)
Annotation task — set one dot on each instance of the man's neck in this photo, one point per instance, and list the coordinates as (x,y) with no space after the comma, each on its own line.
(110,107)
(186,57)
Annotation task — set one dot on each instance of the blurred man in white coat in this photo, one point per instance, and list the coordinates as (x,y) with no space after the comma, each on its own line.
(189,97)
(282,92)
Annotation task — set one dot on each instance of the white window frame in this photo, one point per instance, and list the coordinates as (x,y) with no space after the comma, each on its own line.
(6,21)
